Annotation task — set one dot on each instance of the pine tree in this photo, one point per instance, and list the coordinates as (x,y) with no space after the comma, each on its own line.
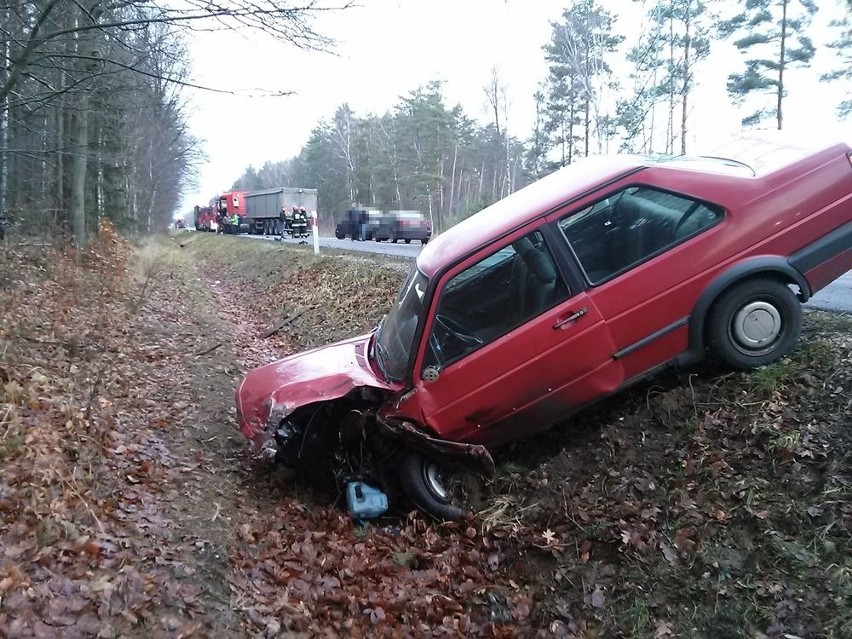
(843,72)
(773,36)
(577,54)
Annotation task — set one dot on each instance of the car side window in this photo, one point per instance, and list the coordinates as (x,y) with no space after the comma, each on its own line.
(490,298)
(631,226)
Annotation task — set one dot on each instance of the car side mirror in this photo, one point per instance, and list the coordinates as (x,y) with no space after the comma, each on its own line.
(430,373)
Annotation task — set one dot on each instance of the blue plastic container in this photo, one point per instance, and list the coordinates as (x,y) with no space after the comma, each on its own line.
(365,502)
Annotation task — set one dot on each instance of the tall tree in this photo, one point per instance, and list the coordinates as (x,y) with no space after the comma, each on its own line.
(578,72)
(419,155)
(842,72)
(496,93)
(772,33)
(62,63)
(536,151)
(674,40)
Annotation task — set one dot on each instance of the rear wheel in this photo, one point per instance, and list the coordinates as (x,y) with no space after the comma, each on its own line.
(754,323)
(430,486)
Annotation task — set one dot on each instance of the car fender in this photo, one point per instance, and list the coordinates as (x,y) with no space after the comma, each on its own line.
(752,267)
(272,392)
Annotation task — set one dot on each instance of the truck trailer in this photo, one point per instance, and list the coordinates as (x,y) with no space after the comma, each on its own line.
(263,208)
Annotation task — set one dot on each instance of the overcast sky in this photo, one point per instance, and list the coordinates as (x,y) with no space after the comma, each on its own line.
(387,48)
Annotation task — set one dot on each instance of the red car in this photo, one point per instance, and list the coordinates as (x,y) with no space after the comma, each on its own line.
(575,287)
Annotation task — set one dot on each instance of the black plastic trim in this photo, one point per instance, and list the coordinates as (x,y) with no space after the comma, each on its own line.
(825,248)
(635,346)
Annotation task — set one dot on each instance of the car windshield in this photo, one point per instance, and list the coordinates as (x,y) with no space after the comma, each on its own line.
(396,333)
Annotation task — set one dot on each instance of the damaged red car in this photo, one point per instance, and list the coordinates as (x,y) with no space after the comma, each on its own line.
(563,293)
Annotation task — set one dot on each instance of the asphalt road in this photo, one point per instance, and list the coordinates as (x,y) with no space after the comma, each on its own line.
(835,297)
(401,249)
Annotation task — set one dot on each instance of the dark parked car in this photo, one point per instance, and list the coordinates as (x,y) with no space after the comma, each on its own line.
(403,225)
(561,294)
(358,223)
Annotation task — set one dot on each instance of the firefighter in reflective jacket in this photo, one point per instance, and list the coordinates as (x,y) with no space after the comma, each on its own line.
(282,222)
(300,223)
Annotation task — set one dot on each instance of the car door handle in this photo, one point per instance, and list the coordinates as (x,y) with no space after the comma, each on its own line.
(572,317)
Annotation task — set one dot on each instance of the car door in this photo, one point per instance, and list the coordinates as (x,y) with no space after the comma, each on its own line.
(643,252)
(507,348)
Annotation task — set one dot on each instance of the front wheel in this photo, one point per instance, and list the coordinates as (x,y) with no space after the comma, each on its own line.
(427,484)
(754,323)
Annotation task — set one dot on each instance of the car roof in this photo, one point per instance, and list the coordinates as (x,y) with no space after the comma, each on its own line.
(725,181)
(523,206)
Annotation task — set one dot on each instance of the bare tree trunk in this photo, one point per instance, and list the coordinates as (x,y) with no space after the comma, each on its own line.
(496,94)
(495,190)
(79,163)
(570,134)
(343,135)
(587,104)
(4,121)
(782,61)
(670,130)
(61,140)
(59,205)
(149,224)
(441,187)
(79,132)
(391,151)
(46,179)
(653,111)
(510,187)
(99,184)
(453,179)
(687,77)
(492,94)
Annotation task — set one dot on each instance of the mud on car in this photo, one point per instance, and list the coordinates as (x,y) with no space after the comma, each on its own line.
(563,293)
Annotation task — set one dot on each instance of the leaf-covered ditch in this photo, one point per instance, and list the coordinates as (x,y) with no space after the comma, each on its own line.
(701,504)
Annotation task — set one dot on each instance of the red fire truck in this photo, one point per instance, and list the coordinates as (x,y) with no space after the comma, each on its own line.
(231,210)
(224,214)
(205,218)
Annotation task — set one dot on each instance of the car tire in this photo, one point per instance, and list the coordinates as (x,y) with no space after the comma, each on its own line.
(421,481)
(754,323)
(408,240)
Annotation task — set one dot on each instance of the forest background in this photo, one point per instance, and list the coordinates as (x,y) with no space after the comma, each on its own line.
(95,110)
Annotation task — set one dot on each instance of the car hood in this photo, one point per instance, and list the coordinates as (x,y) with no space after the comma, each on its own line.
(269,393)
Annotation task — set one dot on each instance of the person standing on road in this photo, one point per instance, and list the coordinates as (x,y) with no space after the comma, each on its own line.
(282,223)
(362,224)
(296,223)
